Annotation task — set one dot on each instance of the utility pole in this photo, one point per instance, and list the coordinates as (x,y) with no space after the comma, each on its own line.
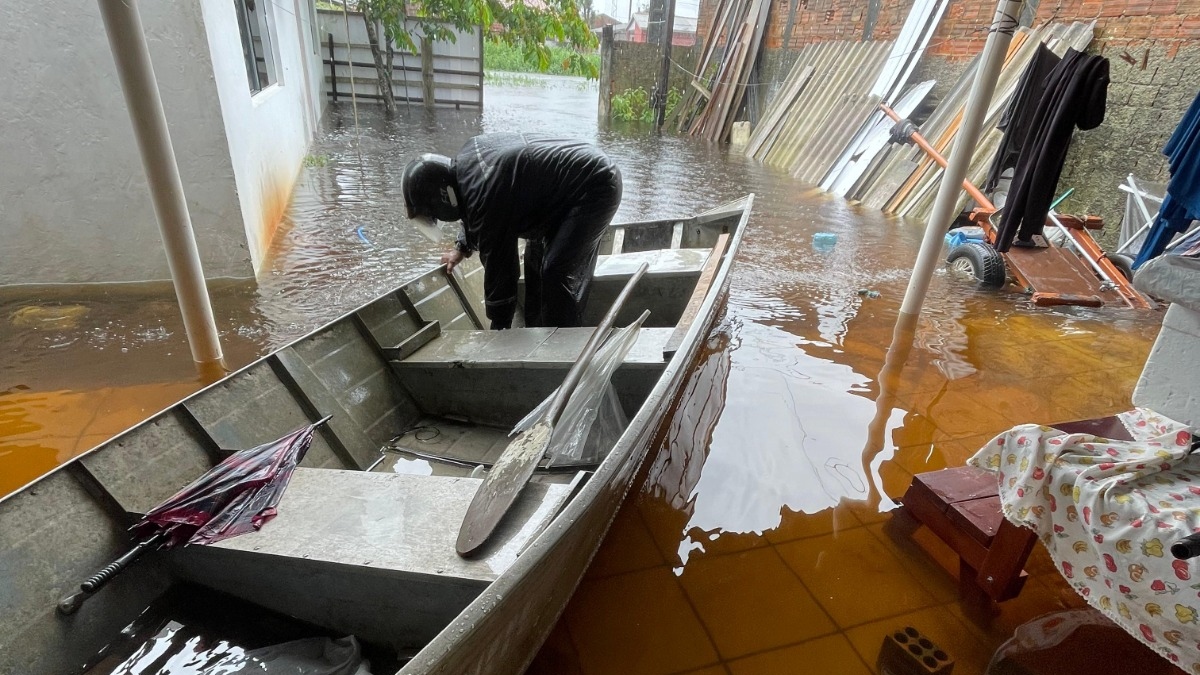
(664,74)
(127,40)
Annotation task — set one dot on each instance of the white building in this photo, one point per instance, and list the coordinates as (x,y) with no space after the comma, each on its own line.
(241,83)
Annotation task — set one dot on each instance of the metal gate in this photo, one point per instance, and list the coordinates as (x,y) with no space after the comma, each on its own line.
(449,73)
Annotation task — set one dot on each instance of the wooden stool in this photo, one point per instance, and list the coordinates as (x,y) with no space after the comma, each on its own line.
(962,508)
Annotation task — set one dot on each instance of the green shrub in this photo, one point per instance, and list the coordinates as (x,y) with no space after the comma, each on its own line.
(563,61)
(633,105)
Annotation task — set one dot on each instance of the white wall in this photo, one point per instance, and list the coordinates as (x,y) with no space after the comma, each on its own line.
(74,204)
(267,133)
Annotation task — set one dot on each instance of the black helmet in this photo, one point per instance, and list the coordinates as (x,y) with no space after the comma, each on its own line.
(430,189)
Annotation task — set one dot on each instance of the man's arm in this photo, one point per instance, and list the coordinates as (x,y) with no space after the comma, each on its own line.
(501,272)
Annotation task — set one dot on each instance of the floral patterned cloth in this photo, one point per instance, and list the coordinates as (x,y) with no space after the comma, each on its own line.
(1108,511)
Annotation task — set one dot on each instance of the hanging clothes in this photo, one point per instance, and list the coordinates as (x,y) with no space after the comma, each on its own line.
(1017,119)
(1076,95)
(1182,203)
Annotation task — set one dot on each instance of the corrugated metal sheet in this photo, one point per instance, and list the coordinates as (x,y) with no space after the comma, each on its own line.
(828,113)
(904,181)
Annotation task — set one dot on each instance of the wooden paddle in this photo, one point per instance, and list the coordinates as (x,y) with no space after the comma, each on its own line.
(512,471)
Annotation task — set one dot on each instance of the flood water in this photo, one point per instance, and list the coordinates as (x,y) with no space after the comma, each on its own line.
(756,540)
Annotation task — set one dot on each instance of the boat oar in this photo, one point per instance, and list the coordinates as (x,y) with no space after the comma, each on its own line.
(514,468)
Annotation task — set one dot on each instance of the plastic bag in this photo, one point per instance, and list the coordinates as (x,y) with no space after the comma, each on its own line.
(573,434)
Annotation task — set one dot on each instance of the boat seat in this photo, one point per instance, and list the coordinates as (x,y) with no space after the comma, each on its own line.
(663,262)
(370,554)
(527,348)
(497,377)
(665,290)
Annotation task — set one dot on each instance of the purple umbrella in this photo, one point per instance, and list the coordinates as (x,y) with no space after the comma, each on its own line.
(238,495)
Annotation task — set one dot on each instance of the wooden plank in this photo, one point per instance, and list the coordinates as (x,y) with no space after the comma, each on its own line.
(1057,270)
(959,484)
(707,274)
(979,518)
(1104,427)
(931,515)
(1001,575)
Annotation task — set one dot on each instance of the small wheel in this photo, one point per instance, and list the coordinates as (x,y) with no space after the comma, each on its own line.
(1123,263)
(980,261)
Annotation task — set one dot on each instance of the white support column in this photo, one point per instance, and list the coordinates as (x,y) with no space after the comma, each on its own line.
(994,51)
(127,40)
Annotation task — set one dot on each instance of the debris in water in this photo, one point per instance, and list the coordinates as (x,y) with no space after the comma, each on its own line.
(48,316)
(868,293)
(824,241)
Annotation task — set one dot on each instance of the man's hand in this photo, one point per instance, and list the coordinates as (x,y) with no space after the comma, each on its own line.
(451,259)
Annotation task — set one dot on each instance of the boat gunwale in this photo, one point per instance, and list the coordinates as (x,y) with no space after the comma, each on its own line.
(460,630)
(723,210)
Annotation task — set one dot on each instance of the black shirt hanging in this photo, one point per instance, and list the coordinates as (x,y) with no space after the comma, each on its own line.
(1076,95)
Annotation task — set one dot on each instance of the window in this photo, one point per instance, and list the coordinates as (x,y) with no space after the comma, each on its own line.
(257,43)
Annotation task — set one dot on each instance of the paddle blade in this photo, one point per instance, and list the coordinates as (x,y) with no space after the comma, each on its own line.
(502,485)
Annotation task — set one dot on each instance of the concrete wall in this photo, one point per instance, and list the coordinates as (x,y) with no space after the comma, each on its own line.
(76,204)
(268,133)
(637,64)
(76,207)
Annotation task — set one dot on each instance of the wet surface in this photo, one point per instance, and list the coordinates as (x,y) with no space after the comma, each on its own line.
(757,540)
(196,631)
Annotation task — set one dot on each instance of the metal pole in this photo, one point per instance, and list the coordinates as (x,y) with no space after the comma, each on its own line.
(1003,26)
(128,44)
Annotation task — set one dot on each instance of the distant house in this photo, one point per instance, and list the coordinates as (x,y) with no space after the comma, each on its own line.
(637,30)
(602,20)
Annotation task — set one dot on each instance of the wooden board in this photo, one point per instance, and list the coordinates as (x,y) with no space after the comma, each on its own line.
(1056,270)
(693,307)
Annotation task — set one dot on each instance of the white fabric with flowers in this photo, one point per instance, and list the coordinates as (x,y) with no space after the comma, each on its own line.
(1108,511)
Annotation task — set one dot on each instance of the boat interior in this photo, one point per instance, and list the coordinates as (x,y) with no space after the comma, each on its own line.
(421,398)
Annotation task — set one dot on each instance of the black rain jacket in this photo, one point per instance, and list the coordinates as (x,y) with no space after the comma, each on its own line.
(514,186)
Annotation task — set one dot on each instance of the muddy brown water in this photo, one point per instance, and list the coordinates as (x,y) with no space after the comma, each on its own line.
(756,539)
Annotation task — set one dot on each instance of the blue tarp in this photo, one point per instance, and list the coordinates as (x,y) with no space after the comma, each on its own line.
(1182,203)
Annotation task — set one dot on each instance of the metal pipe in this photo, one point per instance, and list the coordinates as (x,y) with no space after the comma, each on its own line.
(128,44)
(1138,197)
(1004,24)
(1100,271)
(937,158)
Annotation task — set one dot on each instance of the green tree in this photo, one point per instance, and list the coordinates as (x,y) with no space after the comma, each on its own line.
(521,25)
